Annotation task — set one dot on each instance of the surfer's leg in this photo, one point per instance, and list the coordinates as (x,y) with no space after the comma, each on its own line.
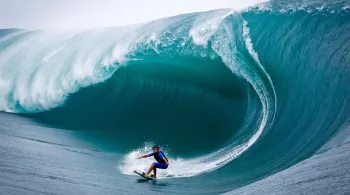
(149,170)
(154,172)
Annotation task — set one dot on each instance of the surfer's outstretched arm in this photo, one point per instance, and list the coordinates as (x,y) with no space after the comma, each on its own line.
(144,156)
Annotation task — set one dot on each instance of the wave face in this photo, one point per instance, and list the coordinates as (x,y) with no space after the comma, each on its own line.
(251,92)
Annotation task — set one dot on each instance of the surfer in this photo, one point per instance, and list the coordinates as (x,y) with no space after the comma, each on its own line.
(162,161)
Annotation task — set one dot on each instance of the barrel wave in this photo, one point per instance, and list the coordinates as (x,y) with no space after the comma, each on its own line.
(231,96)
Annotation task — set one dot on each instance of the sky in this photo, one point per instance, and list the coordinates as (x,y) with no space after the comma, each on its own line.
(80,14)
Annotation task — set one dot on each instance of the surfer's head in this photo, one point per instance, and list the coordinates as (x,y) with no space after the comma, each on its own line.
(155,149)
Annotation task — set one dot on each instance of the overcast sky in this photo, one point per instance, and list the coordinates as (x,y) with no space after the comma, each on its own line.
(67,14)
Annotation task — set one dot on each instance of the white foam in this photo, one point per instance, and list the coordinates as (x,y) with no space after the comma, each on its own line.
(204,27)
(40,69)
(178,167)
(254,54)
(309,6)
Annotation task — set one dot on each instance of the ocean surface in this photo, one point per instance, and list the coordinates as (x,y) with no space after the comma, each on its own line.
(254,101)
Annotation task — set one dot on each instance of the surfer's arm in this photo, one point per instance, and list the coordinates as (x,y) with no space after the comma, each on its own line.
(165,160)
(144,156)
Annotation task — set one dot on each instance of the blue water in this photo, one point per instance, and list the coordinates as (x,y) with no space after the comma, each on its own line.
(239,101)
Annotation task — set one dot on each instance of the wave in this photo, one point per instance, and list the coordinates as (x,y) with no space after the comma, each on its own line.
(268,83)
(152,43)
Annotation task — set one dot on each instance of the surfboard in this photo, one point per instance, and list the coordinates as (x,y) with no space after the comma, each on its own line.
(143,175)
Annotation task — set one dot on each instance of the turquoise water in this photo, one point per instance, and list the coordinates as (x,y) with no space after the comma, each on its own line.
(232,97)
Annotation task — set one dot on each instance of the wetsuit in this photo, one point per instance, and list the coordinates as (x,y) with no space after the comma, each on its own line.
(160,164)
